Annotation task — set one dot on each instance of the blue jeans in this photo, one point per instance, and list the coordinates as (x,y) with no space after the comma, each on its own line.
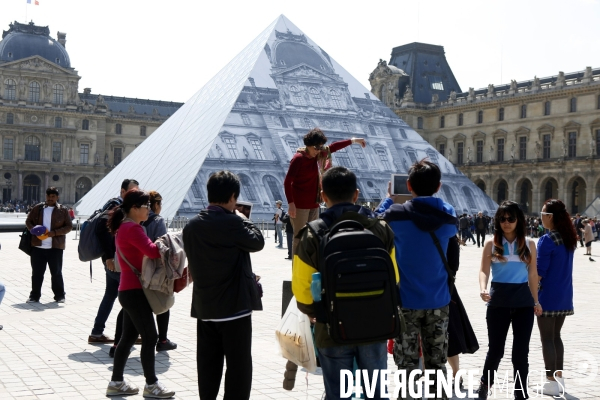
(279,234)
(2,291)
(110,295)
(334,359)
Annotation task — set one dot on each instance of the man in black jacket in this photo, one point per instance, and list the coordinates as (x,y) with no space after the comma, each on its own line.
(217,243)
(480,227)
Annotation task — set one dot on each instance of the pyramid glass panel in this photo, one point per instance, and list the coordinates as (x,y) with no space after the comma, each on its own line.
(251,118)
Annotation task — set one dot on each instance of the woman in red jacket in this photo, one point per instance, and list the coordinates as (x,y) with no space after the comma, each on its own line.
(302,188)
(132,245)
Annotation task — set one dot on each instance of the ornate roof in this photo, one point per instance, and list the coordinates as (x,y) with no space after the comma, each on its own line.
(25,40)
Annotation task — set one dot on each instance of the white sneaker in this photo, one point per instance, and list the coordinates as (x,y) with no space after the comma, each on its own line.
(157,391)
(561,389)
(121,388)
(549,388)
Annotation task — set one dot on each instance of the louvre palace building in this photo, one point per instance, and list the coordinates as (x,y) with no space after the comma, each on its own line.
(524,141)
(51,133)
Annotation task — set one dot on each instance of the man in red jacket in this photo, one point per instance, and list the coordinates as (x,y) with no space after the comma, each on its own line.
(302,184)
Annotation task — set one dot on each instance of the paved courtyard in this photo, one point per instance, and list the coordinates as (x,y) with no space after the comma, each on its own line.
(44,352)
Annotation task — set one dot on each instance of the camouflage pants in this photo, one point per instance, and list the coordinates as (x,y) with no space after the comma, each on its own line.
(432,327)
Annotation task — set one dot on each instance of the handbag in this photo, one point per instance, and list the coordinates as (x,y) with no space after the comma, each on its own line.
(295,338)
(183,282)
(25,242)
(159,302)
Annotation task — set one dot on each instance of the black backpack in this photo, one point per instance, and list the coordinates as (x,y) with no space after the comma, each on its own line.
(285,217)
(359,296)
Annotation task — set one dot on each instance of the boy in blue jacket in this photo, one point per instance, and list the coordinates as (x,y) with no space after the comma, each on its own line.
(424,289)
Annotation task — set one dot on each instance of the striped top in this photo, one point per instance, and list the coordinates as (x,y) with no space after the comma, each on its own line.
(510,287)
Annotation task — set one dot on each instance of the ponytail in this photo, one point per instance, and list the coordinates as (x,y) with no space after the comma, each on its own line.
(115,217)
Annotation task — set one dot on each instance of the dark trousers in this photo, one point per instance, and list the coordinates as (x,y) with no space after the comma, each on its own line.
(53,258)
(162,322)
(552,345)
(482,235)
(137,319)
(111,292)
(499,320)
(231,340)
(290,241)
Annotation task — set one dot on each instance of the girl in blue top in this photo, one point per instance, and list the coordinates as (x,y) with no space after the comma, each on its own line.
(513,296)
(555,270)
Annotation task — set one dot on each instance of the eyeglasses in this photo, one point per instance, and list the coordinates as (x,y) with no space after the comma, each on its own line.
(545,213)
(319,147)
(145,205)
(511,220)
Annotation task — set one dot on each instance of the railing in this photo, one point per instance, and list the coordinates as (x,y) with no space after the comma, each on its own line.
(77,229)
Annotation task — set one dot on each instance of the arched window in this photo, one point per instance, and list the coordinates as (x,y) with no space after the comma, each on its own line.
(58,122)
(402,133)
(297,98)
(31,189)
(420,123)
(469,196)
(58,91)
(274,187)
(245,119)
(34,92)
(549,190)
(317,97)
(85,125)
(197,192)
(282,122)
(83,186)
(372,130)
(575,198)
(502,192)
(480,117)
(10,89)
(32,148)
(335,99)
(448,194)
(247,188)
(481,185)
(573,105)
(460,119)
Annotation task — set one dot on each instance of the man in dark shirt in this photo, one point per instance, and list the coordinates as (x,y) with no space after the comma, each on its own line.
(218,243)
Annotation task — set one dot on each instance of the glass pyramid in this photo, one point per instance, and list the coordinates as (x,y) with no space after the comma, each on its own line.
(250,119)
(593,210)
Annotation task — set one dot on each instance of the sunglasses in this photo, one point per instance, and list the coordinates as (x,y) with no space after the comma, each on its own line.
(318,148)
(511,220)
(545,213)
(145,205)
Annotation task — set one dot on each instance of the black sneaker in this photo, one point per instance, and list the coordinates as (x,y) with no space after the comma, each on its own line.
(483,391)
(111,352)
(32,300)
(166,345)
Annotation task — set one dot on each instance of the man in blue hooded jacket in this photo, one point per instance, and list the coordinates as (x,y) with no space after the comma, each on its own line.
(424,288)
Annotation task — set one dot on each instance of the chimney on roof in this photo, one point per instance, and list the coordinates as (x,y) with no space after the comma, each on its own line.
(87,90)
(62,38)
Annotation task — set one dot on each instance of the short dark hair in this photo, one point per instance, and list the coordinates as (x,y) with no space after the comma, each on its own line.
(315,137)
(339,184)
(424,177)
(51,190)
(221,186)
(126,182)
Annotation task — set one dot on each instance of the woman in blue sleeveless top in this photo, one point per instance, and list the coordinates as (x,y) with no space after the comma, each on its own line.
(513,296)
(555,270)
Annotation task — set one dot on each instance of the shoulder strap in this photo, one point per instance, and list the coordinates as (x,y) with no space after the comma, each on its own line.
(451,276)
(320,229)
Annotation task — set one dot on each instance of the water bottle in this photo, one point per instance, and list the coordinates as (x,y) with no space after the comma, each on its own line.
(315,286)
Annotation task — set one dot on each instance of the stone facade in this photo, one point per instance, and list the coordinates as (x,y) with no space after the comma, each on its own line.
(52,135)
(525,141)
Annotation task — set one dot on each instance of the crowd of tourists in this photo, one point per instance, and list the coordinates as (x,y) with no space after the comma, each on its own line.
(411,309)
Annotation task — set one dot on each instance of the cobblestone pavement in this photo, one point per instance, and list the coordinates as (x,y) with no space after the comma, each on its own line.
(44,352)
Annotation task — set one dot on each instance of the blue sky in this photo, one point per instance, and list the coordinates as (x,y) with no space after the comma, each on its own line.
(167,50)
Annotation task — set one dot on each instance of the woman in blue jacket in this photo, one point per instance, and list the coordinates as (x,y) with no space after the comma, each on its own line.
(555,269)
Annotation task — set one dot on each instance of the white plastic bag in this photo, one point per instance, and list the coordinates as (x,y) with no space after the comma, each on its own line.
(295,338)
